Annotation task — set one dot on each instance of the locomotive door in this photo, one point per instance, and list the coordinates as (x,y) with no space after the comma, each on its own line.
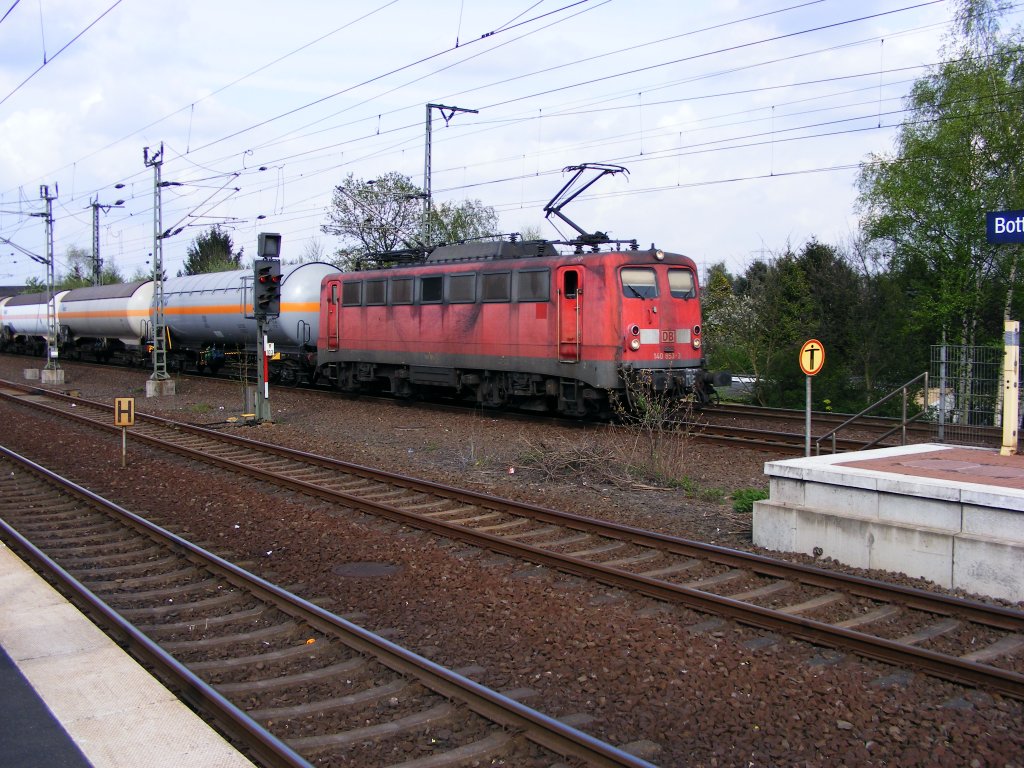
(333,318)
(570,301)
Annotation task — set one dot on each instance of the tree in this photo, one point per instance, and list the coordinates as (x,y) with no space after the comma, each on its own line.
(758,328)
(373,217)
(716,299)
(384,216)
(212,251)
(957,156)
(78,273)
(456,222)
(313,250)
(79,269)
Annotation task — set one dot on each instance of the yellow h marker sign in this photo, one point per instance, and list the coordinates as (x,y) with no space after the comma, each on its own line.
(124,417)
(124,411)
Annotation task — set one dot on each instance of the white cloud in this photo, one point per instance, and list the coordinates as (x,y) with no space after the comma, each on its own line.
(158,72)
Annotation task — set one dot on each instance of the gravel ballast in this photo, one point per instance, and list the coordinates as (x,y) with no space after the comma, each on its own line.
(683,688)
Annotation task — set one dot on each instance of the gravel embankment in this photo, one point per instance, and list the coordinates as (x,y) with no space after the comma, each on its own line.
(686,690)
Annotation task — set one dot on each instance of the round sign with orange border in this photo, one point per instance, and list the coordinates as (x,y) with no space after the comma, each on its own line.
(812,357)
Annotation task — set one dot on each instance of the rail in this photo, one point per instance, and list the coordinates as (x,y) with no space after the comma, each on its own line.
(541,535)
(901,427)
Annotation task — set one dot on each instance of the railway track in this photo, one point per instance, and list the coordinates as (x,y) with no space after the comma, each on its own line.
(951,638)
(290,681)
(857,435)
(717,425)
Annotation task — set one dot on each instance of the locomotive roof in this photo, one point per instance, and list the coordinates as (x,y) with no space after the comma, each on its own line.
(493,249)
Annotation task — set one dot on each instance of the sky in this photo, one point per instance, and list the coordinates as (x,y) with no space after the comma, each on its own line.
(741,123)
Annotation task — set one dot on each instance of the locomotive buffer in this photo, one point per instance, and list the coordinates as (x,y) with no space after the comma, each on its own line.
(266,300)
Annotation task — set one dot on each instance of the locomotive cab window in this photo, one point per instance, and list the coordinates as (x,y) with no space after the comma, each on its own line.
(639,283)
(533,285)
(431,289)
(462,288)
(376,292)
(496,286)
(351,293)
(334,293)
(681,284)
(401,290)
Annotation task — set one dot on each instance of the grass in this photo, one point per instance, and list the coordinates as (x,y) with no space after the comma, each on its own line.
(743,499)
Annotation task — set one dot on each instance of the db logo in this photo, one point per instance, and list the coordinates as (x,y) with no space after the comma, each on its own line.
(668,337)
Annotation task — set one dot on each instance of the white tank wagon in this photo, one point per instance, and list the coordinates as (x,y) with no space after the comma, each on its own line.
(117,314)
(24,322)
(213,313)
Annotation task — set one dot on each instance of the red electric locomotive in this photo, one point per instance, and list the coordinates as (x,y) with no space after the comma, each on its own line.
(519,324)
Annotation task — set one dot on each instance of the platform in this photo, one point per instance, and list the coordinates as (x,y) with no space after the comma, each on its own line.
(950,514)
(71,698)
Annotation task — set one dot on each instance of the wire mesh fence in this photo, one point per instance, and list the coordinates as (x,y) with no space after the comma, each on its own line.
(965,393)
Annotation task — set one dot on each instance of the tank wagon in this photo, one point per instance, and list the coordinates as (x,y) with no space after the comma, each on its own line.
(106,320)
(211,315)
(209,320)
(572,326)
(520,324)
(24,323)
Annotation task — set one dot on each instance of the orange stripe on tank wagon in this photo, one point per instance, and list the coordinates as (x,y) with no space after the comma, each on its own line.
(209,309)
(228,309)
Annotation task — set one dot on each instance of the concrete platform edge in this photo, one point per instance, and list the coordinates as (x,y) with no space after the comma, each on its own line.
(115,711)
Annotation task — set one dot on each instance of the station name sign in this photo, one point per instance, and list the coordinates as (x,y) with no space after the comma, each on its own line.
(1005,226)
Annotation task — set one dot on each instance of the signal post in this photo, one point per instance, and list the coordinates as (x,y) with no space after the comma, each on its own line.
(266,299)
(812,358)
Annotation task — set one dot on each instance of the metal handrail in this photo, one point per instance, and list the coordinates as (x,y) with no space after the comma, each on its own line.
(902,426)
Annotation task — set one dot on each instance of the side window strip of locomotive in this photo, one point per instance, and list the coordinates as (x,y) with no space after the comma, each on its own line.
(431,289)
(496,286)
(533,285)
(334,293)
(639,283)
(401,290)
(376,292)
(462,288)
(681,284)
(352,293)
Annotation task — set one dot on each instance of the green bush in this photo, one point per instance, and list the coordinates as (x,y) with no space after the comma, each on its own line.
(743,499)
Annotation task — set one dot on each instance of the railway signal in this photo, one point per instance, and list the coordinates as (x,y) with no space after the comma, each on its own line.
(267,287)
(266,301)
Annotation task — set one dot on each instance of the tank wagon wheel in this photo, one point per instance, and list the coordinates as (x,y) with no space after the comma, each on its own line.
(287,375)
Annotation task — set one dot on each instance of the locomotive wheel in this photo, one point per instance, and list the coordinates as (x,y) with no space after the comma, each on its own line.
(489,394)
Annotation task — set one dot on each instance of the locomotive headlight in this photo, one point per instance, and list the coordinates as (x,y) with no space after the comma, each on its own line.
(659,255)
(634,344)
(696,342)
